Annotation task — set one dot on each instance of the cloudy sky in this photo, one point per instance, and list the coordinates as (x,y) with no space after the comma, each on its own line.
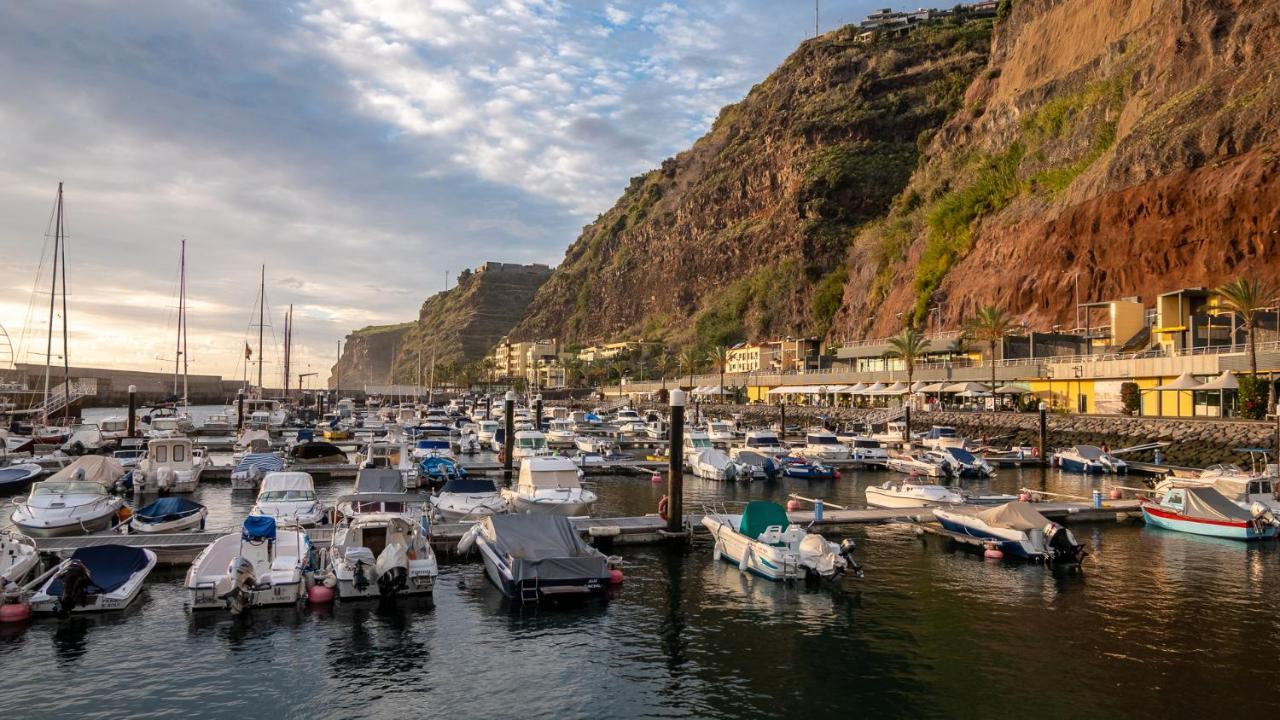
(361,150)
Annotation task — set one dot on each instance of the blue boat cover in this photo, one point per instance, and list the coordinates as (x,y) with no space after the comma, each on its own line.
(167,509)
(432,444)
(306,434)
(266,462)
(259,527)
(469,486)
(12,475)
(441,467)
(591,417)
(110,566)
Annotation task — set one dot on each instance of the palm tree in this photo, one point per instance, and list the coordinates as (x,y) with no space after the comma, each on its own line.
(908,346)
(989,325)
(1247,297)
(664,365)
(690,359)
(620,367)
(573,369)
(718,356)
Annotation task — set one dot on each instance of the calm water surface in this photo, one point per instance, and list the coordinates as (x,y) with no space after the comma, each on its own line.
(1156,623)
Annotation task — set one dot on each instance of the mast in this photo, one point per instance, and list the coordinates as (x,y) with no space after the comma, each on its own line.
(53,294)
(182,315)
(66,362)
(262,304)
(177,341)
(288,347)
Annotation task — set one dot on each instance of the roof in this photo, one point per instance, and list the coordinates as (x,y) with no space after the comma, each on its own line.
(549,472)
(759,515)
(1183,382)
(1225,381)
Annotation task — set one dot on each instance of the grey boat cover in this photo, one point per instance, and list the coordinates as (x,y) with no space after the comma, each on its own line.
(96,468)
(545,547)
(379,480)
(1015,516)
(1209,504)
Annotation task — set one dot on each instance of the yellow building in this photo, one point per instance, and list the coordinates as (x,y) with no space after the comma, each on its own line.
(743,358)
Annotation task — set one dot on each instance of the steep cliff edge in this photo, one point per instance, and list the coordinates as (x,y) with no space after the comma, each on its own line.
(1131,144)
(745,234)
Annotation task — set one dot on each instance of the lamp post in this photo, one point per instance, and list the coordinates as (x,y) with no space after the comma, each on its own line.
(133,409)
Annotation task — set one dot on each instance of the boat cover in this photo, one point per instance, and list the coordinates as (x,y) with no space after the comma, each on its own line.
(545,547)
(264,462)
(379,480)
(97,468)
(1209,504)
(432,444)
(167,509)
(1088,452)
(760,515)
(110,566)
(259,527)
(548,473)
(1018,516)
(314,450)
(1232,487)
(469,486)
(17,474)
(248,436)
(306,435)
(287,481)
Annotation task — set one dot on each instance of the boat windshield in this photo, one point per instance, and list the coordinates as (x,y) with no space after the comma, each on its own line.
(763,441)
(866,444)
(963,456)
(823,440)
(1089,452)
(699,442)
(944,432)
(531,442)
(287,496)
(68,488)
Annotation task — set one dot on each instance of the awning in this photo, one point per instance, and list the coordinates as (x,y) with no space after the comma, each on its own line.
(1225,381)
(1183,382)
(919,386)
(969,387)
(855,389)
(934,388)
(898,388)
(1013,390)
(873,389)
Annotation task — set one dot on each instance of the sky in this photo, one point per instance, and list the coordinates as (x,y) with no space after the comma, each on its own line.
(363,151)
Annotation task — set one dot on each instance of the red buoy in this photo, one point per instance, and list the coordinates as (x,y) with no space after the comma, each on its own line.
(655,479)
(320,595)
(615,577)
(993,554)
(793,505)
(14,612)
(1024,497)
(1117,494)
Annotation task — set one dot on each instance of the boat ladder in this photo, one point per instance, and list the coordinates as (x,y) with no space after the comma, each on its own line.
(529,590)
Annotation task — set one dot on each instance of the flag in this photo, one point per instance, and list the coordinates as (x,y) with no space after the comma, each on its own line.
(248,351)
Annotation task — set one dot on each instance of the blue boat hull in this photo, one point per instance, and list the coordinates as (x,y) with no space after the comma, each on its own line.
(1011,547)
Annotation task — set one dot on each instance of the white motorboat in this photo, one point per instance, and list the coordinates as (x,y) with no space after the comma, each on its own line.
(532,558)
(560,432)
(251,468)
(467,442)
(85,438)
(468,499)
(1243,489)
(290,497)
(168,515)
(597,444)
(656,429)
(260,565)
(960,462)
(487,432)
(170,466)
(18,557)
(549,486)
(381,554)
(94,579)
(941,436)
(115,427)
(172,426)
(916,465)
(867,451)
(765,442)
(218,424)
(893,434)
(721,433)
(529,443)
(1016,528)
(74,501)
(911,495)
(1089,459)
(714,464)
(381,490)
(822,444)
(763,541)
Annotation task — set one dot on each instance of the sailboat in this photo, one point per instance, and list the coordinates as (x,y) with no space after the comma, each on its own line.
(46,433)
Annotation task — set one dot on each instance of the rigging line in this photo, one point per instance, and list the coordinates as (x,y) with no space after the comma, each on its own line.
(35,284)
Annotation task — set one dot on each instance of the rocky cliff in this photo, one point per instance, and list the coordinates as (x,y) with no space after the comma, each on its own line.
(455,327)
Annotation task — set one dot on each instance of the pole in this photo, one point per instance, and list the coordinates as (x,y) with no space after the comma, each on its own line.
(509,434)
(1077,301)
(262,305)
(537,411)
(782,420)
(133,409)
(53,295)
(816,4)
(240,410)
(906,425)
(185,360)
(66,362)
(675,466)
(1044,433)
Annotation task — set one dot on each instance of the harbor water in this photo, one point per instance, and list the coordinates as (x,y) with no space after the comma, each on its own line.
(1155,622)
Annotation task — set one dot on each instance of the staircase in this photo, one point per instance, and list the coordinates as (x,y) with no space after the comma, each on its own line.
(886,415)
(58,399)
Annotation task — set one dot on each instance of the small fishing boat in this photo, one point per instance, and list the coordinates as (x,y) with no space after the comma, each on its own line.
(260,565)
(549,486)
(761,467)
(532,558)
(74,501)
(468,500)
(909,495)
(598,444)
(1016,528)
(712,464)
(960,462)
(16,477)
(867,452)
(822,445)
(560,432)
(803,469)
(1089,459)
(1205,511)
(436,470)
(18,557)
(251,468)
(763,541)
(529,443)
(316,452)
(381,554)
(289,497)
(436,446)
(721,433)
(167,515)
(893,435)
(170,466)
(467,442)
(85,438)
(656,430)
(95,579)
(941,436)
(916,466)
(218,424)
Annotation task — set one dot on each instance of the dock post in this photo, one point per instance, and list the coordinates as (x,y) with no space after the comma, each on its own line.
(1277,432)
(537,412)
(240,411)
(906,425)
(133,410)
(509,434)
(675,466)
(1044,433)
(782,420)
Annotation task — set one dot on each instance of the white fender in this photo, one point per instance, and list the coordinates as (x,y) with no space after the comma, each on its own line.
(745,562)
(718,552)
(468,539)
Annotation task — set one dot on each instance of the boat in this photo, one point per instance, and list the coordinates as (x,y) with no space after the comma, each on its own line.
(893,434)
(764,542)
(960,462)
(1242,490)
(916,465)
(721,433)
(256,442)
(803,469)
(529,443)
(114,428)
(260,565)
(597,444)
(316,452)
(1089,459)
(867,451)
(94,579)
(1205,511)
(822,445)
(1016,528)
(74,501)
(467,500)
(532,558)
(765,442)
(487,432)
(710,463)
(171,426)
(941,436)
(251,468)
(291,497)
(84,439)
(218,424)
(381,554)
(560,432)
(761,467)
(170,466)
(381,490)
(436,470)
(168,514)
(656,429)
(431,447)
(911,495)
(18,558)
(16,477)
(467,442)
(549,486)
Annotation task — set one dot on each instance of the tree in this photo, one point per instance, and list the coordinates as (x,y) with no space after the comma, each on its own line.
(665,364)
(690,360)
(908,346)
(990,325)
(620,367)
(718,356)
(1247,297)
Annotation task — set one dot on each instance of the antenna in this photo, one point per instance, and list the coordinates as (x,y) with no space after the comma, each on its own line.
(816,4)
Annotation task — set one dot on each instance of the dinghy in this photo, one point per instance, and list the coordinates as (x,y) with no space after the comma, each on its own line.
(260,565)
(549,486)
(913,465)
(436,470)
(381,554)
(171,466)
(169,514)
(763,541)
(532,558)
(468,500)
(15,477)
(1017,529)
(1205,511)
(1089,459)
(95,579)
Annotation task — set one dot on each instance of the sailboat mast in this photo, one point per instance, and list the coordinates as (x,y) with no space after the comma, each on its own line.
(288,347)
(177,338)
(182,315)
(262,304)
(53,295)
(66,361)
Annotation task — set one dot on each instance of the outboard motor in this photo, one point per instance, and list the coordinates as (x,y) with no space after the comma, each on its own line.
(847,546)
(243,581)
(1061,544)
(1262,514)
(359,577)
(75,587)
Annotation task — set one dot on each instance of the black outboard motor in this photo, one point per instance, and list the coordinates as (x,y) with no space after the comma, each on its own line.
(847,546)
(360,578)
(393,581)
(1062,545)
(76,582)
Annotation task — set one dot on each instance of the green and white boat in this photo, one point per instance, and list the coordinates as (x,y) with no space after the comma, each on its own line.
(763,541)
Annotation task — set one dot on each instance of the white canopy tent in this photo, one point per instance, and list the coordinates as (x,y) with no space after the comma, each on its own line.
(1225,381)
(967,387)
(898,388)
(1183,382)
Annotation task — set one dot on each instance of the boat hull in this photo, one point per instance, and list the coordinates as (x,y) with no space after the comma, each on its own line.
(1009,541)
(1210,528)
(118,599)
(83,526)
(878,497)
(560,589)
(521,504)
